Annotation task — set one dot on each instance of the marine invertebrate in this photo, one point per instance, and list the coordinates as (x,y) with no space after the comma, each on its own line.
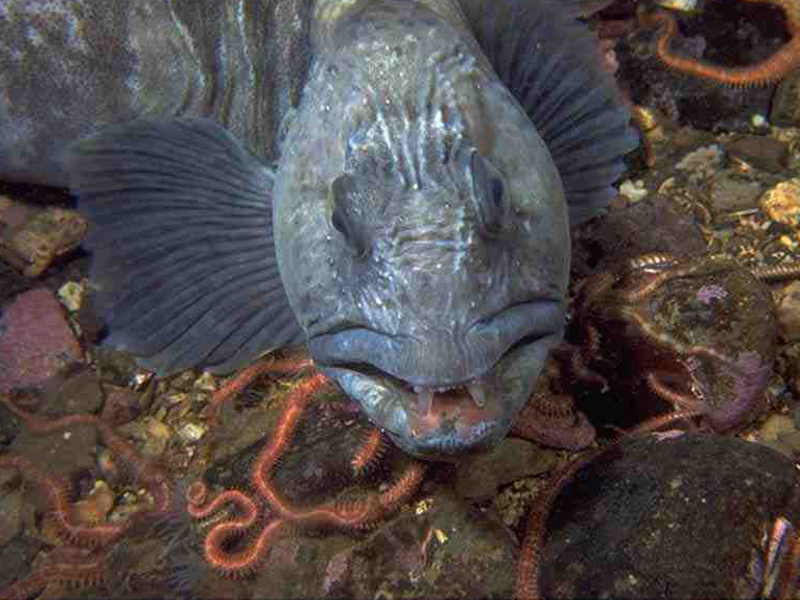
(697,334)
(81,562)
(271,510)
(768,71)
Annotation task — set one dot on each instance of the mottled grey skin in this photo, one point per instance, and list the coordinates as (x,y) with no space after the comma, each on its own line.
(420,224)
(70,67)
(436,302)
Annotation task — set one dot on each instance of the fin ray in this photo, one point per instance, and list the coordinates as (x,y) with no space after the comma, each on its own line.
(181,232)
(552,65)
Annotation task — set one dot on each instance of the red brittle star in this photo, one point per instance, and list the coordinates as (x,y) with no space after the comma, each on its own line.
(82,561)
(283,516)
(770,70)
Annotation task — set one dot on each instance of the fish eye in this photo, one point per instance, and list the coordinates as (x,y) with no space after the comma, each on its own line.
(344,218)
(488,195)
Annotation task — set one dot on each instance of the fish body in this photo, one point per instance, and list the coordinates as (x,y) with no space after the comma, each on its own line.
(405,211)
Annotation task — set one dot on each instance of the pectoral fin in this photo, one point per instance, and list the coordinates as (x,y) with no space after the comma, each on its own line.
(181,233)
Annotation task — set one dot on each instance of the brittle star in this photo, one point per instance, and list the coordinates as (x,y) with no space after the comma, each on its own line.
(770,70)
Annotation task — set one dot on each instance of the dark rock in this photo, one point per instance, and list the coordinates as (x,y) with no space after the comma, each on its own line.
(122,405)
(704,328)
(651,225)
(733,191)
(451,550)
(786,102)
(36,341)
(661,516)
(62,453)
(765,153)
(78,393)
(478,478)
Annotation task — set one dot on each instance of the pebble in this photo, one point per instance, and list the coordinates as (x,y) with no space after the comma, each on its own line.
(702,163)
(478,478)
(764,153)
(788,307)
(192,432)
(36,341)
(31,238)
(786,101)
(782,203)
(732,191)
(154,434)
(633,190)
(71,295)
(10,515)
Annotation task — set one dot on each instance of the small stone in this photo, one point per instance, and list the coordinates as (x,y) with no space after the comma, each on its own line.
(478,478)
(206,382)
(703,162)
(684,5)
(782,203)
(10,515)
(31,237)
(762,152)
(788,307)
(633,190)
(191,432)
(96,507)
(775,426)
(153,433)
(122,405)
(71,294)
(36,341)
(786,102)
(731,191)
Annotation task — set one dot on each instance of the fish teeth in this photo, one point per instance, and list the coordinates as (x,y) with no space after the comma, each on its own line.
(424,399)
(475,387)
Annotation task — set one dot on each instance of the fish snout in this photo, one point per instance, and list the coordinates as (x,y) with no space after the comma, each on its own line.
(448,398)
(434,356)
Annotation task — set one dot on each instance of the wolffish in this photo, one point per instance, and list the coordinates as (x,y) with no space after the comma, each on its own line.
(390,181)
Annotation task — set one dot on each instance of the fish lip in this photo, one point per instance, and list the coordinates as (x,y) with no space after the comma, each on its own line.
(495,334)
(391,406)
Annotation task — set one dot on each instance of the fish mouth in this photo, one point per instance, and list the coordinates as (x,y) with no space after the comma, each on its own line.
(451,419)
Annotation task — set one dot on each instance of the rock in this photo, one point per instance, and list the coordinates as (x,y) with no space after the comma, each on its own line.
(733,191)
(679,517)
(718,321)
(478,478)
(774,427)
(786,102)
(76,393)
(782,203)
(765,153)
(450,550)
(71,295)
(122,405)
(619,235)
(36,341)
(10,515)
(31,237)
(153,434)
(633,190)
(788,307)
(701,163)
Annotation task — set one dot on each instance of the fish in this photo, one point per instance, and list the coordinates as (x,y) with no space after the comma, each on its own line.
(390,182)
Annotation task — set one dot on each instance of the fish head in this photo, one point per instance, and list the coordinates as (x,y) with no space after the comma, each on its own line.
(425,251)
